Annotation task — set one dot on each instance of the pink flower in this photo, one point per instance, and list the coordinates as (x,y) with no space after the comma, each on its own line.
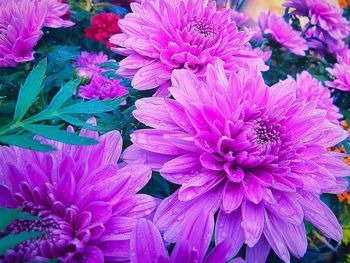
(327,17)
(55,10)
(21,23)
(257,154)
(160,36)
(311,89)
(341,73)
(102,88)
(86,201)
(282,33)
(92,61)
(147,245)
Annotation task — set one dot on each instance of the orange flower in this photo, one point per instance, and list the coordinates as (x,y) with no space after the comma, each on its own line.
(343,3)
(343,196)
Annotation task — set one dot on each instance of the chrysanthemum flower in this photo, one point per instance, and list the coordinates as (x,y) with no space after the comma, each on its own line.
(282,33)
(257,154)
(341,73)
(55,10)
(92,61)
(311,89)
(21,23)
(103,88)
(327,17)
(147,244)
(160,36)
(87,202)
(20,29)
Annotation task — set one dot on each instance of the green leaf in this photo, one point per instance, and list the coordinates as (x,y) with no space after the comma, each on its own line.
(27,142)
(63,95)
(30,90)
(58,100)
(54,133)
(110,65)
(13,240)
(92,107)
(77,122)
(8,215)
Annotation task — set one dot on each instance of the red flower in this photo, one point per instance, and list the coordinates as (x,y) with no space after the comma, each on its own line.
(103,26)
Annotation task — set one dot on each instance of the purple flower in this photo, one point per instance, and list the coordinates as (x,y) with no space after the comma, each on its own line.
(311,89)
(240,18)
(20,29)
(87,202)
(282,33)
(21,23)
(92,61)
(257,154)
(327,17)
(264,55)
(102,88)
(55,10)
(160,36)
(341,73)
(147,245)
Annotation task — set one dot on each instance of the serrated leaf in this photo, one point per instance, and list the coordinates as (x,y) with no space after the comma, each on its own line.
(13,240)
(92,107)
(24,141)
(8,215)
(54,133)
(76,122)
(63,95)
(30,90)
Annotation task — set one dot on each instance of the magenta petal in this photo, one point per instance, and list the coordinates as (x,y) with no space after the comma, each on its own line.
(199,184)
(252,190)
(137,176)
(258,253)
(317,213)
(181,169)
(295,238)
(6,198)
(136,155)
(101,211)
(146,243)
(232,196)
(92,255)
(153,112)
(153,140)
(275,239)
(197,234)
(252,222)
(228,226)
(220,253)
(172,208)
(144,205)
(151,76)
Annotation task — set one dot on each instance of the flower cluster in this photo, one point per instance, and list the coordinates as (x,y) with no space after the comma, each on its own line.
(330,27)
(238,152)
(100,87)
(21,24)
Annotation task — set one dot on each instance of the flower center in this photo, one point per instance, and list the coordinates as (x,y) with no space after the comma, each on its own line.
(55,239)
(264,133)
(205,29)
